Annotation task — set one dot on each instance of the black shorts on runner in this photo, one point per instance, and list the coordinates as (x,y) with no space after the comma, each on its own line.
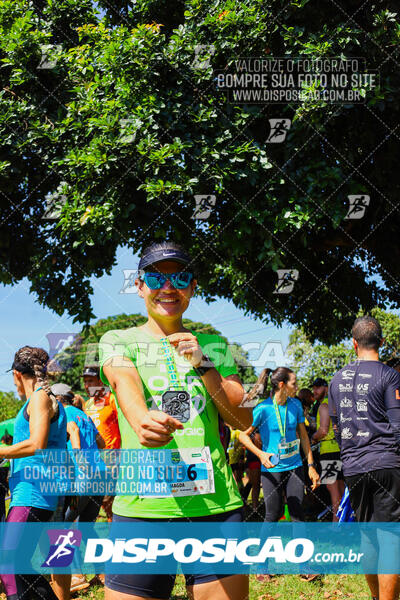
(375,496)
(161,586)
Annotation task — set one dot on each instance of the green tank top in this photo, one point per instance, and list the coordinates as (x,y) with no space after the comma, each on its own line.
(328,443)
(200,431)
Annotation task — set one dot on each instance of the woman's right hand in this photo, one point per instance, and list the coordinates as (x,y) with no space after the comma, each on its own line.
(264,458)
(156,427)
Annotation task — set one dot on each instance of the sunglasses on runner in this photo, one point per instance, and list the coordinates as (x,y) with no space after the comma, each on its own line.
(155,281)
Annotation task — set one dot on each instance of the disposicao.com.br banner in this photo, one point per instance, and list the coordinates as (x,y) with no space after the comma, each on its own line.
(158,547)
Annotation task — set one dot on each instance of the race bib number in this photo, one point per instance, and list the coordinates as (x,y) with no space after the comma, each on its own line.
(288,449)
(186,472)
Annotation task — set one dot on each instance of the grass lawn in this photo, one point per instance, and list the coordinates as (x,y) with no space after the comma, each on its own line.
(288,587)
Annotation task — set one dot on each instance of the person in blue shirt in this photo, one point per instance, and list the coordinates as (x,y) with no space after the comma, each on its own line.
(40,424)
(280,422)
(83,435)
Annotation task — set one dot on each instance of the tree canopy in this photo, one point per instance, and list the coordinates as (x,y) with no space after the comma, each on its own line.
(9,405)
(85,352)
(110,126)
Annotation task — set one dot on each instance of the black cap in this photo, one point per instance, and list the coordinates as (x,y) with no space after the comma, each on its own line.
(21,368)
(91,372)
(319,382)
(154,256)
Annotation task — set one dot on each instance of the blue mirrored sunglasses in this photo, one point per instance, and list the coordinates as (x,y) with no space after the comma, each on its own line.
(155,281)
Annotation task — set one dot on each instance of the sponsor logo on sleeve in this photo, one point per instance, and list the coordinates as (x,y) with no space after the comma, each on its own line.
(363,433)
(346,433)
(348,374)
(362,388)
(362,406)
(343,419)
(345,387)
(346,403)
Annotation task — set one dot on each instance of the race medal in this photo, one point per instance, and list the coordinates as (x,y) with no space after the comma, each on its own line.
(176,403)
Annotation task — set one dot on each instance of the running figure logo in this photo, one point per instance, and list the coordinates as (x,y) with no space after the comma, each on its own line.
(62,350)
(287,279)
(331,470)
(357,208)
(130,275)
(63,543)
(279,129)
(204,206)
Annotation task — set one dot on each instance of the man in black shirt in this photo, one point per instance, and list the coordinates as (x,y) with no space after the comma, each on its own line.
(364,405)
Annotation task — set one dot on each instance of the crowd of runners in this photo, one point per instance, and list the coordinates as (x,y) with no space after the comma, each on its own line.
(300,447)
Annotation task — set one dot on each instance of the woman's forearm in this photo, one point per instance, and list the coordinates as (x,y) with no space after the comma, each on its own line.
(227,396)
(248,443)
(126,383)
(130,398)
(25,448)
(305,444)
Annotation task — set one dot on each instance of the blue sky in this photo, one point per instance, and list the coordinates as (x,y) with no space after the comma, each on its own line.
(24,321)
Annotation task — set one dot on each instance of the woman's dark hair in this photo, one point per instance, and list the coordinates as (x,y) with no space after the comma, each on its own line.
(305,397)
(68,400)
(259,388)
(78,402)
(33,362)
(278,375)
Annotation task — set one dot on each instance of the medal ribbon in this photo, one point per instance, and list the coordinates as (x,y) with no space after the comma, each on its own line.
(171,365)
(282,429)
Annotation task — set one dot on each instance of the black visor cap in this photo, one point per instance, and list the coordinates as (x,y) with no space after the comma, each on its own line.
(156,256)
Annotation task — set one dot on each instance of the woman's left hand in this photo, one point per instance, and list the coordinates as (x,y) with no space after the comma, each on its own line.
(186,345)
(315,479)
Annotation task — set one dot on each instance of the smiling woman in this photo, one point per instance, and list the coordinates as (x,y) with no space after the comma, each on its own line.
(174,403)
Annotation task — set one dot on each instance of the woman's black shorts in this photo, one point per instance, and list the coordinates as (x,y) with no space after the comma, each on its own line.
(160,586)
